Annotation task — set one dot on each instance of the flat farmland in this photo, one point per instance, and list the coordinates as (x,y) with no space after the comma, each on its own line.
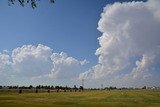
(113,98)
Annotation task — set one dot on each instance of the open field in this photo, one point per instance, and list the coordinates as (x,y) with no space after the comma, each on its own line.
(114,98)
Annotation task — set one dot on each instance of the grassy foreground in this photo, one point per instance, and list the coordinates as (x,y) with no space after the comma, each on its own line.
(115,98)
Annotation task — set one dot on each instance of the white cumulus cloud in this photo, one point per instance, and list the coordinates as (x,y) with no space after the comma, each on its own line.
(65,66)
(129,29)
(30,62)
(4,61)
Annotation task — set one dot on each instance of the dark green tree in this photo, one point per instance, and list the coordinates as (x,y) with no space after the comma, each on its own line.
(81,87)
(75,88)
(33,3)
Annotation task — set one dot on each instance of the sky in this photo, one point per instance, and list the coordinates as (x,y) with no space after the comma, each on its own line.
(109,42)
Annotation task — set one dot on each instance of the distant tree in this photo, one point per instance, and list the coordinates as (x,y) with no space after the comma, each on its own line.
(112,88)
(33,3)
(52,87)
(10,87)
(66,88)
(56,87)
(38,87)
(81,87)
(30,87)
(42,86)
(75,88)
(45,87)
(144,87)
(49,87)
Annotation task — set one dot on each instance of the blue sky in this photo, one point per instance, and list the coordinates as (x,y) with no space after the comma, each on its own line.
(70,26)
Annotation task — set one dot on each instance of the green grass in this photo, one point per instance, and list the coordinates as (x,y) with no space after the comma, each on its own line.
(116,98)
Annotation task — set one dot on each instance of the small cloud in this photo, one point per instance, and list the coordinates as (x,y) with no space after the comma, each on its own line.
(5,51)
(84,62)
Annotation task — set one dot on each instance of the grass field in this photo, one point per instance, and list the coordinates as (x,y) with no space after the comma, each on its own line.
(114,98)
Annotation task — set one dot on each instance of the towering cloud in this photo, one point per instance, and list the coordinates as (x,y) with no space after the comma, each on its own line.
(130,42)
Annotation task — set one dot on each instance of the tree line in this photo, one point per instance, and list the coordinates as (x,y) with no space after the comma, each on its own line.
(43,87)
